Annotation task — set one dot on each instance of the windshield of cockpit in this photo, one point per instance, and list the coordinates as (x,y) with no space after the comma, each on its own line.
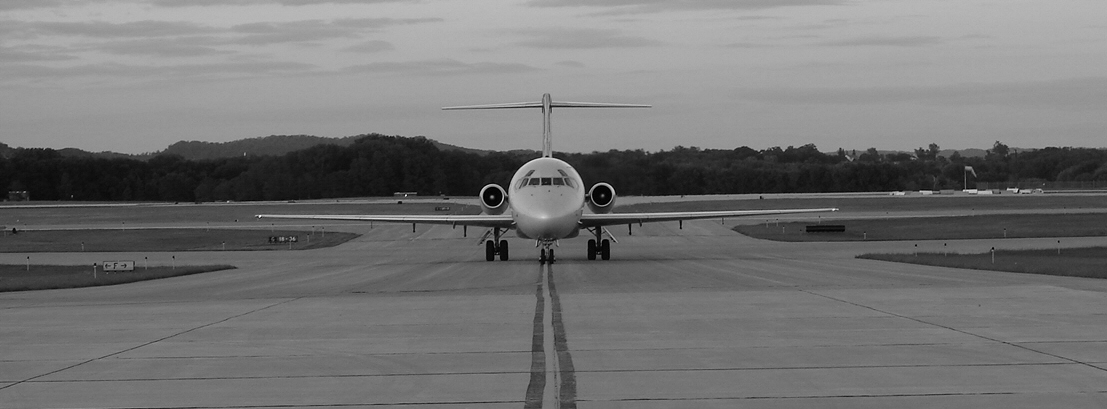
(562,179)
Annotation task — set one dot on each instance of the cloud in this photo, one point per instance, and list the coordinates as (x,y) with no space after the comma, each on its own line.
(582,39)
(204,3)
(100,29)
(1073,93)
(441,67)
(165,48)
(370,47)
(131,72)
(570,64)
(315,30)
(660,6)
(885,41)
(44,4)
(34,54)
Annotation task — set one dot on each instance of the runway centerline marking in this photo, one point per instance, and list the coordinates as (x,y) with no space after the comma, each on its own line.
(552,382)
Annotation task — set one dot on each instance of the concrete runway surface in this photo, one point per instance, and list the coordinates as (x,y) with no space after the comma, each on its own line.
(691,318)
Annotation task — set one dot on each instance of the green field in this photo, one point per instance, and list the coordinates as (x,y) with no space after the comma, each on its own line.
(965,203)
(201,215)
(1071,262)
(41,277)
(138,240)
(940,228)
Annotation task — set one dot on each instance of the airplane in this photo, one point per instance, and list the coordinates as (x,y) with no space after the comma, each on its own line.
(546,201)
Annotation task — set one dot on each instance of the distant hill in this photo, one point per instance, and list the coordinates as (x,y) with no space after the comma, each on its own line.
(274,145)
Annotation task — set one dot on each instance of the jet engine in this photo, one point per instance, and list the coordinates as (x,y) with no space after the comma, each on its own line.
(493,199)
(601,198)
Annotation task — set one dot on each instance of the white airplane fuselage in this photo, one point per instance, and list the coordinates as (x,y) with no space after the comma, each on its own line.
(546,196)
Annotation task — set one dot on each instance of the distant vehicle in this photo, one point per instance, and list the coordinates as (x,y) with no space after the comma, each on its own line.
(547,200)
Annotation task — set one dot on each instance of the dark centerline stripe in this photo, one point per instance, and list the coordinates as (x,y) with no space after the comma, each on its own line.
(537,353)
(564,358)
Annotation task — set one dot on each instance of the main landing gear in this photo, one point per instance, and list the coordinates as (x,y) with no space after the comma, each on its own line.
(603,249)
(495,247)
(599,245)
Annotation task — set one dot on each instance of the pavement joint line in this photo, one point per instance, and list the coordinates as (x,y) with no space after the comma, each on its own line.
(33,378)
(1013,344)
(873,396)
(807,368)
(228,378)
(325,405)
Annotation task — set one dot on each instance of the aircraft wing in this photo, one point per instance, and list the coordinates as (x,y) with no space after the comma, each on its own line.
(597,220)
(483,220)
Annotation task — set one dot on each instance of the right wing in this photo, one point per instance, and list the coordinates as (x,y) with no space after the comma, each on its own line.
(503,221)
(597,220)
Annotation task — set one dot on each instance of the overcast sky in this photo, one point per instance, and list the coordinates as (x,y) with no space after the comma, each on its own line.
(135,76)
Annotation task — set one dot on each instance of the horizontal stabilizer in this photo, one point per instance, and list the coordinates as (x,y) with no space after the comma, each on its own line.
(553,104)
(547,104)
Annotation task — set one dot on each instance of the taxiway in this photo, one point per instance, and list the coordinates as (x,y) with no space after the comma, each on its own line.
(693,317)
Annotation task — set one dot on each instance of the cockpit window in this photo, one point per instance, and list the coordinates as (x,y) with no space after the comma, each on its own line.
(563,181)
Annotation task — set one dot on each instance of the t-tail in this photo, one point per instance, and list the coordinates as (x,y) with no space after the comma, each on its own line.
(547,105)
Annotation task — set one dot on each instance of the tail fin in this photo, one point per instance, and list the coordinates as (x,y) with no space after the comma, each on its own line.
(547,106)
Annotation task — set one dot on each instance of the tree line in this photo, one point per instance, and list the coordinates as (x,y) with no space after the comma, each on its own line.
(378,165)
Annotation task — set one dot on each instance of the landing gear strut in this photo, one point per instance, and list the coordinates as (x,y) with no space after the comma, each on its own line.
(491,249)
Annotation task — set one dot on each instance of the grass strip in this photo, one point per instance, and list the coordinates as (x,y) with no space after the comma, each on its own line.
(161,240)
(939,228)
(47,277)
(1090,262)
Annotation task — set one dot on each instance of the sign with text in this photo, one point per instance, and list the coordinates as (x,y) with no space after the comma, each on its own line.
(282,239)
(126,265)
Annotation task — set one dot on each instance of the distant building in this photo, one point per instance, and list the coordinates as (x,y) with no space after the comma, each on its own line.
(19,196)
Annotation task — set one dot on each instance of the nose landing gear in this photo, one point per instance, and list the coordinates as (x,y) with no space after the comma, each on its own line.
(547,247)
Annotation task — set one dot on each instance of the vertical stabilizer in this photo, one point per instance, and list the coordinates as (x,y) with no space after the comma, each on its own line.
(547,104)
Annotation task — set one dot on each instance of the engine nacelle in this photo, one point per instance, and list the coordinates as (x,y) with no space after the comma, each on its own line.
(493,199)
(601,198)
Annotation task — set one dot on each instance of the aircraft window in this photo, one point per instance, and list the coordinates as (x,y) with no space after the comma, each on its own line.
(533,182)
(559,181)
(529,173)
(547,181)
(522,182)
(562,172)
(569,182)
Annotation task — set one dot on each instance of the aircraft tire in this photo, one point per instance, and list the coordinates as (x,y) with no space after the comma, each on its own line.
(503,250)
(489,250)
(605,249)
(542,257)
(591,249)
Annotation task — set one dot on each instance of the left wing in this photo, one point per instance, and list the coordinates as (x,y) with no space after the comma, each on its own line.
(503,221)
(597,220)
